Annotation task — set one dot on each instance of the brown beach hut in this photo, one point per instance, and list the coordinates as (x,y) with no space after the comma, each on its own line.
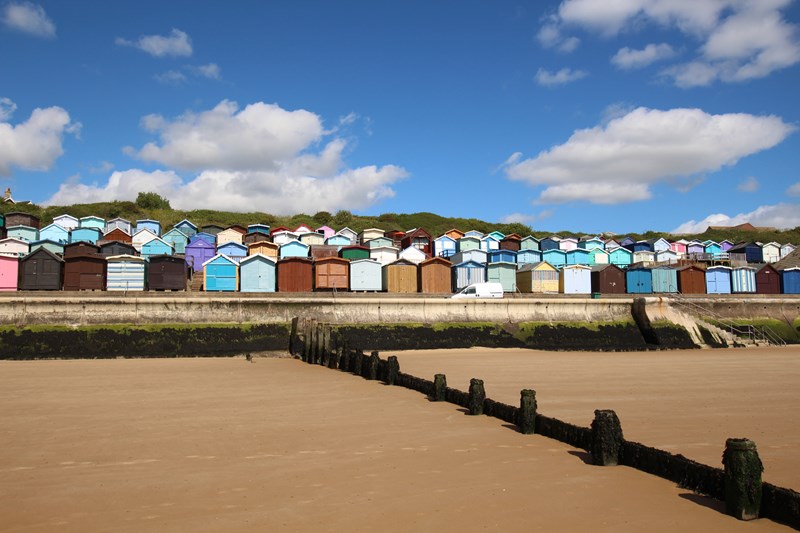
(18,218)
(511,242)
(81,248)
(118,234)
(435,276)
(768,280)
(85,272)
(295,274)
(318,251)
(332,273)
(41,270)
(400,277)
(167,273)
(691,280)
(608,279)
(256,236)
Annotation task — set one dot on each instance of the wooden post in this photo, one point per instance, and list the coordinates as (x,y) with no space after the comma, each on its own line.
(606,438)
(372,366)
(320,346)
(306,340)
(293,347)
(477,395)
(392,370)
(527,412)
(326,345)
(358,361)
(312,341)
(743,470)
(344,360)
(439,388)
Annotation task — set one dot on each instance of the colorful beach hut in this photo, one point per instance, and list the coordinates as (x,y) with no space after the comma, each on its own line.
(125,273)
(435,276)
(295,274)
(743,279)
(366,275)
(575,279)
(331,273)
(221,274)
(41,270)
(257,273)
(718,280)
(539,278)
(400,277)
(468,272)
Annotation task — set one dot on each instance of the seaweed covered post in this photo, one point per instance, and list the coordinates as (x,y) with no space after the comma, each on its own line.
(358,361)
(477,395)
(372,366)
(326,345)
(527,412)
(606,440)
(294,345)
(439,388)
(392,370)
(743,470)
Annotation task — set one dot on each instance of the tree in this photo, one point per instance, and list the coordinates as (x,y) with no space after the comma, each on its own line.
(151,200)
(343,217)
(322,217)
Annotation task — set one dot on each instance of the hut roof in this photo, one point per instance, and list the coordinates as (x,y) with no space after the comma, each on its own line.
(790,261)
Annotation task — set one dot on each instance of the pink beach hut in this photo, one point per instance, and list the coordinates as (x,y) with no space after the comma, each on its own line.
(9,273)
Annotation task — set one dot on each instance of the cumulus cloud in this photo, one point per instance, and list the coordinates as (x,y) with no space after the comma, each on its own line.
(738,39)
(261,158)
(750,184)
(781,216)
(617,162)
(628,59)
(210,71)
(28,18)
(36,143)
(176,44)
(562,77)
(524,218)
(794,190)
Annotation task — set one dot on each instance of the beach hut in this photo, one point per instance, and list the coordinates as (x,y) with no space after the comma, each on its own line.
(293,249)
(567,244)
(318,251)
(177,239)
(667,256)
(270,249)
(526,256)
(211,229)
(768,280)
(117,234)
(198,251)
(476,255)
(331,273)
(664,279)
(418,238)
(511,242)
(157,246)
(302,228)
(468,242)
(718,280)
(85,272)
(14,247)
(752,251)
(638,281)
(187,228)
(598,256)
(578,256)
(620,256)
(233,250)
(743,279)
(338,240)
(149,224)
(444,246)
(141,237)
(17,218)
(504,273)
(207,237)
(55,247)
(712,248)
(255,236)
(725,245)
(229,235)
(467,273)
(54,232)
(80,248)
(474,233)
(118,223)
(354,252)
(502,256)
(611,243)
(369,234)
(679,247)
(311,238)
(626,241)
(400,277)
(691,280)
(695,248)
(659,244)
(489,243)
(23,233)
(575,279)
(378,242)
(644,256)
(787,249)
(67,222)
(555,257)
(326,231)
(538,278)
(111,248)
(366,275)
(258,228)
(295,274)
(499,235)
(608,279)
(351,235)
(790,280)
(41,270)
(220,274)
(257,273)
(82,234)
(591,243)
(454,233)
(549,243)
(771,251)
(9,273)
(384,254)
(92,221)
(167,273)
(529,242)
(125,273)
(435,276)
(639,246)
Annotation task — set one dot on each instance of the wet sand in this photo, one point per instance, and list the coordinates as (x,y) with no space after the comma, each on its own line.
(277,445)
(685,401)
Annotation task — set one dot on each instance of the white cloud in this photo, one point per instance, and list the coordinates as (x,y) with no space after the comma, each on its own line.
(549,36)
(210,71)
(176,44)
(562,77)
(781,216)
(29,18)
(102,168)
(738,39)
(750,184)
(171,77)
(260,158)
(523,218)
(36,143)
(7,108)
(627,58)
(794,190)
(617,162)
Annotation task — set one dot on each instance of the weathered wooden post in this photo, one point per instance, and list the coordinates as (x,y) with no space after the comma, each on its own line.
(318,352)
(358,361)
(312,341)
(293,338)
(527,412)
(344,360)
(477,395)
(607,438)
(326,345)
(743,470)
(439,388)
(392,370)
(372,366)
(306,339)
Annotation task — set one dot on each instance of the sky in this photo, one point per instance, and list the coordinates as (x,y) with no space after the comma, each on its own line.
(580,115)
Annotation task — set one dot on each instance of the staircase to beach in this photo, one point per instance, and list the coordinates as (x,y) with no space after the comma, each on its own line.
(197,281)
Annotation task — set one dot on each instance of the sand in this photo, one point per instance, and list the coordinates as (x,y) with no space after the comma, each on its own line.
(277,445)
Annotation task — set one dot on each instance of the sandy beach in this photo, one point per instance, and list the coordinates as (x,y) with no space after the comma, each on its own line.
(277,445)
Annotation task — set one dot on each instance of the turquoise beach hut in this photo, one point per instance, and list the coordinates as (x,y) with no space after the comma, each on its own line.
(221,274)
(664,279)
(187,228)
(639,281)
(157,246)
(177,239)
(620,256)
(578,256)
(555,257)
(23,233)
(503,273)
(257,273)
(55,233)
(91,235)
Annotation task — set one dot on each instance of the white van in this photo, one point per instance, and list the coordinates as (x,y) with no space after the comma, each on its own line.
(490,289)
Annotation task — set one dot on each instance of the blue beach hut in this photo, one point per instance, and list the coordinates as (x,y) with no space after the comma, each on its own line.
(467,273)
(55,233)
(23,233)
(125,273)
(157,246)
(233,250)
(198,251)
(579,256)
(91,235)
(743,279)
(294,249)
(502,256)
(718,280)
(444,246)
(555,257)
(338,240)
(257,273)
(639,281)
(177,239)
(147,223)
(186,227)
(527,256)
(221,274)
(790,280)
(207,237)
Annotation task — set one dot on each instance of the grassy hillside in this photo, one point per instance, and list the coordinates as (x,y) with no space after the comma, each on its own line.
(435,224)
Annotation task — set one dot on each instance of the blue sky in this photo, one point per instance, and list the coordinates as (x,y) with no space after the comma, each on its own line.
(565,115)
